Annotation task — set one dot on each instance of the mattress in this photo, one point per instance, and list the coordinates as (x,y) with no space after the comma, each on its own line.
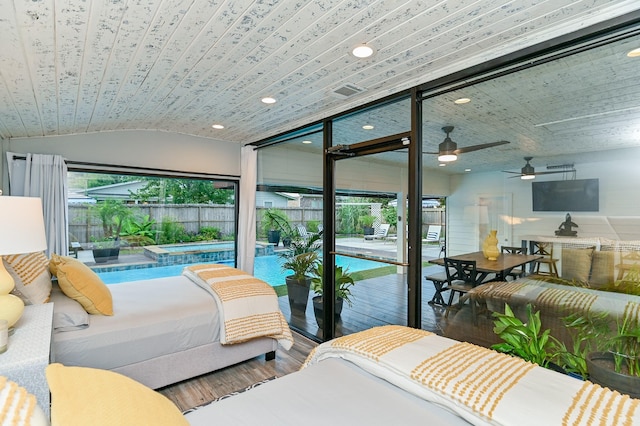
(152,318)
(332,392)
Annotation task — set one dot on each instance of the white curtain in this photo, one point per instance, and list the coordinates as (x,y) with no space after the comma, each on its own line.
(247,209)
(44,176)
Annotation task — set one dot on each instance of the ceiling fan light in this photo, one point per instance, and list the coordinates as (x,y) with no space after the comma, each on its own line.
(446,151)
(447,157)
(527,177)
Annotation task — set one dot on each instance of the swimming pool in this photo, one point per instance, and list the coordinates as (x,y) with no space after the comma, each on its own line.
(267,268)
(189,253)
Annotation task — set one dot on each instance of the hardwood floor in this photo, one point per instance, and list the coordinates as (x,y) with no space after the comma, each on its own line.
(197,391)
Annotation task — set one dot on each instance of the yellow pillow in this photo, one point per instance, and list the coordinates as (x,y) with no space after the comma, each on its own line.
(80,283)
(88,396)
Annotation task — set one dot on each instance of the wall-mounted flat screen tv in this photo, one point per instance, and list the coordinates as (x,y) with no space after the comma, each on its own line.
(580,195)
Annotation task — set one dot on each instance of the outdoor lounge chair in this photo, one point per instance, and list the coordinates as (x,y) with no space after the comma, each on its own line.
(433,234)
(380,234)
(302,231)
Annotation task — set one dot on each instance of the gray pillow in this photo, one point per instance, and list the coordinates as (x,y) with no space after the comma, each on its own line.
(68,314)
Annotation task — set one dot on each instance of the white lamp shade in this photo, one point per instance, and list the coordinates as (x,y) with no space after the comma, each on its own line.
(21,225)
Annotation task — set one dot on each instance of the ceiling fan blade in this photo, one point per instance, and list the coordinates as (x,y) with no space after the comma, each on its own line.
(430,153)
(478,147)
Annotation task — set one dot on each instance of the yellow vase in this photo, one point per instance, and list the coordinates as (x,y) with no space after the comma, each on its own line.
(490,246)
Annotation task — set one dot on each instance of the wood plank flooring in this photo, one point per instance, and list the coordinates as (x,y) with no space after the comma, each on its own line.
(197,391)
(376,301)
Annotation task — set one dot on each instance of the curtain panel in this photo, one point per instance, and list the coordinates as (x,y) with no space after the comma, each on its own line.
(44,176)
(247,209)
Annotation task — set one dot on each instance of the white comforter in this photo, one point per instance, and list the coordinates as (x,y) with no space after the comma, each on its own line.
(151,318)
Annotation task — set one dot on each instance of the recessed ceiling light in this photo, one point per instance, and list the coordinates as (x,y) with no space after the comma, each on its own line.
(635,53)
(467,170)
(462,101)
(442,164)
(368,127)
(306,142)
(217,126)
(268,100)
(362,51)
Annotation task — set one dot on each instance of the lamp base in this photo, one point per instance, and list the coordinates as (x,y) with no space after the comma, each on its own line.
(11,308)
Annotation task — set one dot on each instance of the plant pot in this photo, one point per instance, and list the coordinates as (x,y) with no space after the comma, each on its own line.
(273,237)
(368,230)
(298,292)
(319,311)
(102,255)
(600,368)
(286,242)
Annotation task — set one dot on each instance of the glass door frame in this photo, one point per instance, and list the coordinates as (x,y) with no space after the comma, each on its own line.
(331,154)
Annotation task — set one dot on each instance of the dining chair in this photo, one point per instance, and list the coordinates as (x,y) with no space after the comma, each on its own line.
(516,272)
(439,281)
(461,277)
(546,251)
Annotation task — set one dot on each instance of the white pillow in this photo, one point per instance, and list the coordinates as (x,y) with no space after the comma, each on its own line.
(31,275)
(68,314)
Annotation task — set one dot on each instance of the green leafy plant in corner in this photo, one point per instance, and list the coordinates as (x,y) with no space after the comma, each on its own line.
(301,264)
(588,334)
(366,221)
(525,340)
(343,281)
(275,220)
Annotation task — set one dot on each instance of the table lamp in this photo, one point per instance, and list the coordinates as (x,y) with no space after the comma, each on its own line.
(21,231)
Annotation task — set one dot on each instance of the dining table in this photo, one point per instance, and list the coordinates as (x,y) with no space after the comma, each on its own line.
(501,266)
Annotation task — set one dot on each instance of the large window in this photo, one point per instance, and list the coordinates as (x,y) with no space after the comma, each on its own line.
(124,225)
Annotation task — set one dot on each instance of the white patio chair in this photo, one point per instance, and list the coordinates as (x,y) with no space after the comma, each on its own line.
(302,231)
(381,232)
(433,234)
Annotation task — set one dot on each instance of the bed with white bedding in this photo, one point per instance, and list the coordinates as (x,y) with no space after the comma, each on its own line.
(397,375)
(162,331)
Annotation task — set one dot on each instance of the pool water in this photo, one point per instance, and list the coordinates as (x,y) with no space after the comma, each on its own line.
(267,268)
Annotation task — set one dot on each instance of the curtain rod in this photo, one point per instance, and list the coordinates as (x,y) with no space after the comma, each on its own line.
(148,169)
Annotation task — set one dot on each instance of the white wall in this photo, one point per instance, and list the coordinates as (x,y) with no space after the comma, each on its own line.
(153,149)
(618,217)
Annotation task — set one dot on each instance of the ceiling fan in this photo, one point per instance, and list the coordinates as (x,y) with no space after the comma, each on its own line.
(528,171)
(448,150)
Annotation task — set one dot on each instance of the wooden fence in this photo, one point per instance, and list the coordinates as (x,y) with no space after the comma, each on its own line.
(85,227)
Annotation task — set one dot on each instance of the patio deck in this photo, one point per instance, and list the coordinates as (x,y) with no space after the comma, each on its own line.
(376,301)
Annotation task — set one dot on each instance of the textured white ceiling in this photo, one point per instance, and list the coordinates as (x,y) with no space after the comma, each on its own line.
(77,66)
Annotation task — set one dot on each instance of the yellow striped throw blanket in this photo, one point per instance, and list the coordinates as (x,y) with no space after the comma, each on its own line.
(480,385)
(248,306)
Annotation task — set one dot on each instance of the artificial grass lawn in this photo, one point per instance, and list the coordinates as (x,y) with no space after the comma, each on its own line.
(281,290)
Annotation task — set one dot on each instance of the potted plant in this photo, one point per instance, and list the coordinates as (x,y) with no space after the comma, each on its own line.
(274,221)
(611,350)
(525,340)
(366,222)
(301,258)
(113,215)
(343,282)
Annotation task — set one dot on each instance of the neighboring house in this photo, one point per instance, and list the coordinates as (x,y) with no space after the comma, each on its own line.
(116,191)
(311,201)
(273,199)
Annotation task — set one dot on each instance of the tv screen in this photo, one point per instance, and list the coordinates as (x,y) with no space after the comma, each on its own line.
(579,195)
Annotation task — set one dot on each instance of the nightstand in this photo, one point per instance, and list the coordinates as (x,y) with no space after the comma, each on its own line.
(27,354)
